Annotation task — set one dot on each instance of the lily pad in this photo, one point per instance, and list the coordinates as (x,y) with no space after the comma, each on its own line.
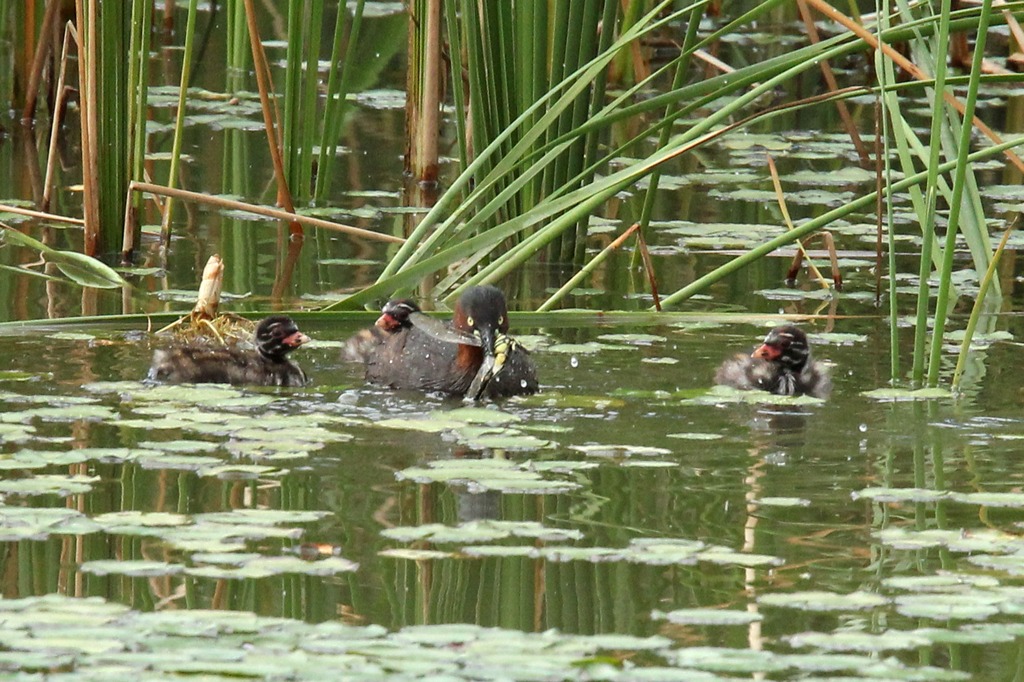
(600,450)
(487,474)
(726,660)
(817,600)
(265,567)
(479,415)
(1012,500)
(708,617)
(891,640)
(49,484)
(695,436)
(942,582)
(480,531)
(72,413)
(906,394)
(634,339)
(660,361)
(781,502)
(723,395)
(974,606)
(137,569)
(414,554)
(581,348)
(900,494)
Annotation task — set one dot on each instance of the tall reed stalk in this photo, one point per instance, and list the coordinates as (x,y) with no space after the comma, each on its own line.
(338,82)
(138,100)
(179,122)
(956,202)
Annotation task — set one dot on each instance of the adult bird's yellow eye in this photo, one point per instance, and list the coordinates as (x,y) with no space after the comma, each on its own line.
(469,321)
(501,319)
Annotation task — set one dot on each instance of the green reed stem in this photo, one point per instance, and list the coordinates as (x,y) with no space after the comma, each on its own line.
(884,69)
(138,79)
(114,122)
(972,322)
(455,45)
(931,191)
(959,177)
(291,99)
(310,98)
(337,90)
(682,69)
(179,123)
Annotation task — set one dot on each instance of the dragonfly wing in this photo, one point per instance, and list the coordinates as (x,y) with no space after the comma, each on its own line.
(483,375)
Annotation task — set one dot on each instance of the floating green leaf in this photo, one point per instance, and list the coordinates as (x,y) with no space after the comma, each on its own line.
(781,502)
(722,395)
(816,600)
(480,531)
(906,394)
(50,484)
(137,569)
(974,606)
(900,494)
(891,640)
(265,567)
(708,617)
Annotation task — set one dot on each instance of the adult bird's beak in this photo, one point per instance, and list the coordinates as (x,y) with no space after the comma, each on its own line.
(487,337)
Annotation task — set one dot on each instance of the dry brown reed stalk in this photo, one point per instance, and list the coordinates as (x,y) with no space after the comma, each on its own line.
(267,211)
(424,107)
(590,266)
(70,34)
(87,64)
(801,252)
(41,215)
(645,256)
(798,260)
(911,68)
(833,86)
(28,113)
(263,84)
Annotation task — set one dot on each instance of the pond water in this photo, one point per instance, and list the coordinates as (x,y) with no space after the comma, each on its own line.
(628,522)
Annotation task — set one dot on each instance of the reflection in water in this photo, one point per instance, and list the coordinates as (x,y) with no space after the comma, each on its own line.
(778,428)
(157,464)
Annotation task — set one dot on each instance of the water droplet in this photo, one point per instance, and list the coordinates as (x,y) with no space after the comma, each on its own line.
(522,383)
(574,362)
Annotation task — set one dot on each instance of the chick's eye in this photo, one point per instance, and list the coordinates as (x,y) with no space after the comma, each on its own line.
(470,322)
